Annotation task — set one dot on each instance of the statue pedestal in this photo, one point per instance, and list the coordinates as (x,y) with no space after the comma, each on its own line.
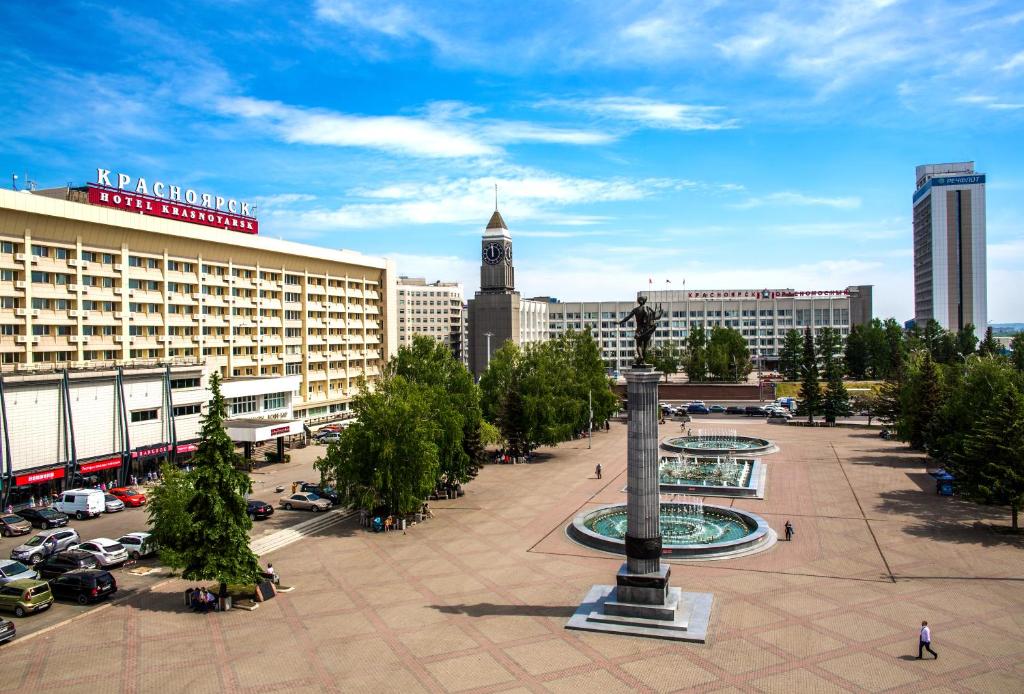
(642,603)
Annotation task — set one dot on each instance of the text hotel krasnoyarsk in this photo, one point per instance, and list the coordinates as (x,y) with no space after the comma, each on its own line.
(171,202)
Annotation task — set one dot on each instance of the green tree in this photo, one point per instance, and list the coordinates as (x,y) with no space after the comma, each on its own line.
(988,346)
(836,402)
(920,399)
(217,541)
(966,342)
(990,468)
(696,357)
(856,353)
(666,358)
(789,355)
(1017,352)
(390,456)
(810,390)
(455,402)
(169,519)
(728,356)
(543,394)
(896,345)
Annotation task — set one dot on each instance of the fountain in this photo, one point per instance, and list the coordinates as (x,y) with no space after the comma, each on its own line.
(712,475)
(710,442)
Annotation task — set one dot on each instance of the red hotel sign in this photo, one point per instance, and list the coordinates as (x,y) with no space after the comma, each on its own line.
(37,477)
(280,430)
(162,207)
(105,464)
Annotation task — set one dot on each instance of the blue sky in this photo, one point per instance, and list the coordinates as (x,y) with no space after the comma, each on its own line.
(701,141)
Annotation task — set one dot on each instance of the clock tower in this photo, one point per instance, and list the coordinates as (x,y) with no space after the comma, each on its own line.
(497,276)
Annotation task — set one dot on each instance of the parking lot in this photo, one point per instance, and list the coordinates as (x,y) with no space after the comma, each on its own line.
(148,573)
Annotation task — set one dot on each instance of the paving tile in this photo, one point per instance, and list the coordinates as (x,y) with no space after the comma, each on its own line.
(469,672)
(542,657)
(669,672)
(800,641)
(797,681)
(871,673)
(437,640)
(590,681)
(739,656)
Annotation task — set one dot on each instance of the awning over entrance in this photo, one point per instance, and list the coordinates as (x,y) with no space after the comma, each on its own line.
(254,430)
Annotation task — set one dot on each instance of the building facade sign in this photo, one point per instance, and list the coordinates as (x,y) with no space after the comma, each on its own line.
(37,477)
(767,294)
(151,451)
(121,191)
(104,464)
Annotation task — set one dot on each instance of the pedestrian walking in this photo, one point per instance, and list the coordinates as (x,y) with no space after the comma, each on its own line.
(295,485)
(925,644)
(598,470)
(789,531)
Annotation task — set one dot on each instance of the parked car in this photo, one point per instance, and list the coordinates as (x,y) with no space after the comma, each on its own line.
(129,495)
(697,408)
(84,585)
(717,409)
(7,630)
(755,411)
(44,517)
(44,544)
(139,545)
(12,524)
(25,596)
(259,510)
(734,409)
(326,437)
(106,551)
(12,570)
(62,562)
(779,418)
(328,493)
(305,501)
(111,504)
(81,503)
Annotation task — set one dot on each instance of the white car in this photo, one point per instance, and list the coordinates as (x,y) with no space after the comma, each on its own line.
(327,437)
(139,545)
(112,504)
(107,551)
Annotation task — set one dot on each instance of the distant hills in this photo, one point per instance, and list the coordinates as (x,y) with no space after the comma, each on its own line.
(1007,328)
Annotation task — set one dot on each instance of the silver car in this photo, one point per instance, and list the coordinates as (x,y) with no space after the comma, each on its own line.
(11,570)
(111,504)
(107,551)
(306,501)
(44,544)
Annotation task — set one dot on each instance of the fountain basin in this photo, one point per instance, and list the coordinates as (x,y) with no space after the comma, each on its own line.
(707,476)
(701,446)
(717,532)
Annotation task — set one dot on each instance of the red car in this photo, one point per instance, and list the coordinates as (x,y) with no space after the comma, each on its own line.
(129,495)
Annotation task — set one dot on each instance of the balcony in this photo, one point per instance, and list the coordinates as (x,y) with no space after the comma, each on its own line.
(20,284)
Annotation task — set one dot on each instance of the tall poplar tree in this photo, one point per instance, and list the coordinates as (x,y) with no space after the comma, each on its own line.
(217,545)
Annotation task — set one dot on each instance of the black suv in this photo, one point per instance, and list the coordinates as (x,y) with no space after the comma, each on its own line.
(62,562)
(734,409)
(328,493)
(259,510)
(756,411)
(84,585)
(44,517)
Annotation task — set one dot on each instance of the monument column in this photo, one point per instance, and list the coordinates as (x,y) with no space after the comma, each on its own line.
(643,503)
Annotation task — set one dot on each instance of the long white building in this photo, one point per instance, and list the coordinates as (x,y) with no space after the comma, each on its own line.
(762,316)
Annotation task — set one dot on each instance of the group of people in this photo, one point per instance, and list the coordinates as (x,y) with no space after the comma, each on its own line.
(201,600)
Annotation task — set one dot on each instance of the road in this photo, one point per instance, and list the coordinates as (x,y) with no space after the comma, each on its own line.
(148,572)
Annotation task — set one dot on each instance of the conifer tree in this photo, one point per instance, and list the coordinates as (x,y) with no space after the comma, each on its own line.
(810,391)
(789,355)
(217,546)
(988,346)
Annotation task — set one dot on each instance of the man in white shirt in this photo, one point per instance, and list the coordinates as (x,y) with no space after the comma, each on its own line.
(925,643)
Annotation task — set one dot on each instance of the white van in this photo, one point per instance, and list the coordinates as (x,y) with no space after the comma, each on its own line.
(81,503)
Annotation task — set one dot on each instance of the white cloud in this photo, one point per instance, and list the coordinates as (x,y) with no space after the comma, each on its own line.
(992,103)
(651,113)
(789,198)
(1016,61)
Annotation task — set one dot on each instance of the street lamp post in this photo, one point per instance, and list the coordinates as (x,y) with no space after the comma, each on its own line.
(488,335)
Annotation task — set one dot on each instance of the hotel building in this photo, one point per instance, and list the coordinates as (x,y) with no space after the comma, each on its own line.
(762,316)
(111,313)
(436,310)
(949,246)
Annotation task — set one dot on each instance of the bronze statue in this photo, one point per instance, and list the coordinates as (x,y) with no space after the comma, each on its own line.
(646,323)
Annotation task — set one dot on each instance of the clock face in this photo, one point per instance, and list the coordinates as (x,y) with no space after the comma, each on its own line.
(492,253)
(508,254)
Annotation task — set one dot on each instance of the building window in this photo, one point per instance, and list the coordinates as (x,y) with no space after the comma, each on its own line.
(60,253)
(134,261)
(273,401)
(40,251)
(6,247)
(145,415)
(184,383)
(243,405)
(293,369)
(186,410)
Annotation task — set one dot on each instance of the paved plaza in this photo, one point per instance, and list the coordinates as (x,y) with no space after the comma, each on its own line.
(475,600)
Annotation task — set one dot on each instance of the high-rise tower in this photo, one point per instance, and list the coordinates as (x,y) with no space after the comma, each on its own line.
(949,246)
